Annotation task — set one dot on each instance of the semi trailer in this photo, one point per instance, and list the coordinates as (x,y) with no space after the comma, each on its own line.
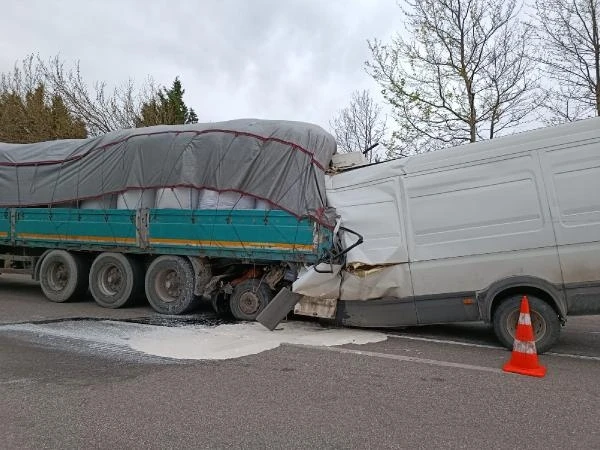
(173,214)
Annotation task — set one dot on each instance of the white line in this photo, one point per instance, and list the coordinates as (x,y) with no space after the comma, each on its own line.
(572,331)
(432,362)
(442,341)
(570,355)
(17,381)
(468,344)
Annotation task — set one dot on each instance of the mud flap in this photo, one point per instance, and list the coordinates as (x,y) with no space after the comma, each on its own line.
(278,308)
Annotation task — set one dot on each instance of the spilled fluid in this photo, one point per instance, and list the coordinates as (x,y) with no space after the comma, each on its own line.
(198,337)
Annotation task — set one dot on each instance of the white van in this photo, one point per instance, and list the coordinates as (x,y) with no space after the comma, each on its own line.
(462,234)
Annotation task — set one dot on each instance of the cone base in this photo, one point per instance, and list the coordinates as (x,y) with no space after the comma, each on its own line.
(539,371)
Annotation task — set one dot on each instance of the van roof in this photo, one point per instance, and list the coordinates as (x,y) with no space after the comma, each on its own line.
(555,136)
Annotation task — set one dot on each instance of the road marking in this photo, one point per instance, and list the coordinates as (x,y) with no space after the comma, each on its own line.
(17,381)
(442,341)
(570,355)
(468,344)
(572,331)
(432,362)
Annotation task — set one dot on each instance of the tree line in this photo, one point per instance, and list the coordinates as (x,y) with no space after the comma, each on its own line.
(467,70)
(46,100)
(461,71)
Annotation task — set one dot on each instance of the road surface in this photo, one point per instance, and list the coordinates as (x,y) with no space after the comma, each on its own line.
(79,376)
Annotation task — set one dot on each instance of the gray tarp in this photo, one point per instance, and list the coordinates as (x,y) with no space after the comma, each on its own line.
(279,161)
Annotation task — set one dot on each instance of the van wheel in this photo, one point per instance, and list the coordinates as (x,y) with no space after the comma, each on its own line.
(116,280)
(544,320)
(249,298)
(63,276)
(170,285)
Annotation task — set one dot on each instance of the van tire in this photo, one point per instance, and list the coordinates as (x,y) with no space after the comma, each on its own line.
(63,276)
(545,322)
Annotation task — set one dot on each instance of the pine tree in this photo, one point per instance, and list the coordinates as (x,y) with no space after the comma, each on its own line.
(167,108)
(63,123)
(191,117)
(33,117)
(177,109)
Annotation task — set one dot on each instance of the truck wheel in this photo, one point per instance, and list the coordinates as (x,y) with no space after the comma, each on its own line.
(544,320)
(249,298)
(170,285)
(63,276)
(116,280)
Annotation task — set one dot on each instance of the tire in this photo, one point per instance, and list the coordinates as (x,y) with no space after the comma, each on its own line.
(169,285)
(63,276)
(116,280)
(220,305)
(545,322)
(249,298)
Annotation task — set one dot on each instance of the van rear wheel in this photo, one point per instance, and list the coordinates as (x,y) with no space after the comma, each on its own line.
(544,320)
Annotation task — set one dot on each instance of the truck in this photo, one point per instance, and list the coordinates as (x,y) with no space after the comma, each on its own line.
(455,235)
(225,212)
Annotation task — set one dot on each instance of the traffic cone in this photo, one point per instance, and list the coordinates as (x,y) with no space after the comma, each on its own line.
(524,358)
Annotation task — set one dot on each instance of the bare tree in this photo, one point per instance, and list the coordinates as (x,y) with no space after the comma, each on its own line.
(24,77)
(102,109)
(360,125)
(464,75)
(569,33)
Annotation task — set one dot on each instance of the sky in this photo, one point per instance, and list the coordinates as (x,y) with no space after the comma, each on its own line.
(269,59)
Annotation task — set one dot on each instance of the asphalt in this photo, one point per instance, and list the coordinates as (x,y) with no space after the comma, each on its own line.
(429,387)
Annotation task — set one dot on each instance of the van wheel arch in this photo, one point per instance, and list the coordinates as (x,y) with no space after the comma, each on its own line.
(490,299)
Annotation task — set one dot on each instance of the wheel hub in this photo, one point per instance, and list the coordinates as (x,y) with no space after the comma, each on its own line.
(58,276)
(168,286)
(537,322)
(111,280)
(249,303)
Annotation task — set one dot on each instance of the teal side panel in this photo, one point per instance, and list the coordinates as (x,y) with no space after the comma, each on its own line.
(76,228)
(241,234)
(4,225)
(245,234)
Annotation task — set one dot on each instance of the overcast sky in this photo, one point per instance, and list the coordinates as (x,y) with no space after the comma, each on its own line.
(278,59)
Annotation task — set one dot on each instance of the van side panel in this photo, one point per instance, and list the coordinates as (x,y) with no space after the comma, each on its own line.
(374,210)
(473,224)
(572,175)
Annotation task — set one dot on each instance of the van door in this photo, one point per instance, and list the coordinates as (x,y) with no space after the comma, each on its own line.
(572,176)
(473,224)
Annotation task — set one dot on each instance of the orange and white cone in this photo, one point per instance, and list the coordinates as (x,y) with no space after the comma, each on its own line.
(524,358)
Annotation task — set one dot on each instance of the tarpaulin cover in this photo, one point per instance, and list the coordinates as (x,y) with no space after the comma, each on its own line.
(282,162)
